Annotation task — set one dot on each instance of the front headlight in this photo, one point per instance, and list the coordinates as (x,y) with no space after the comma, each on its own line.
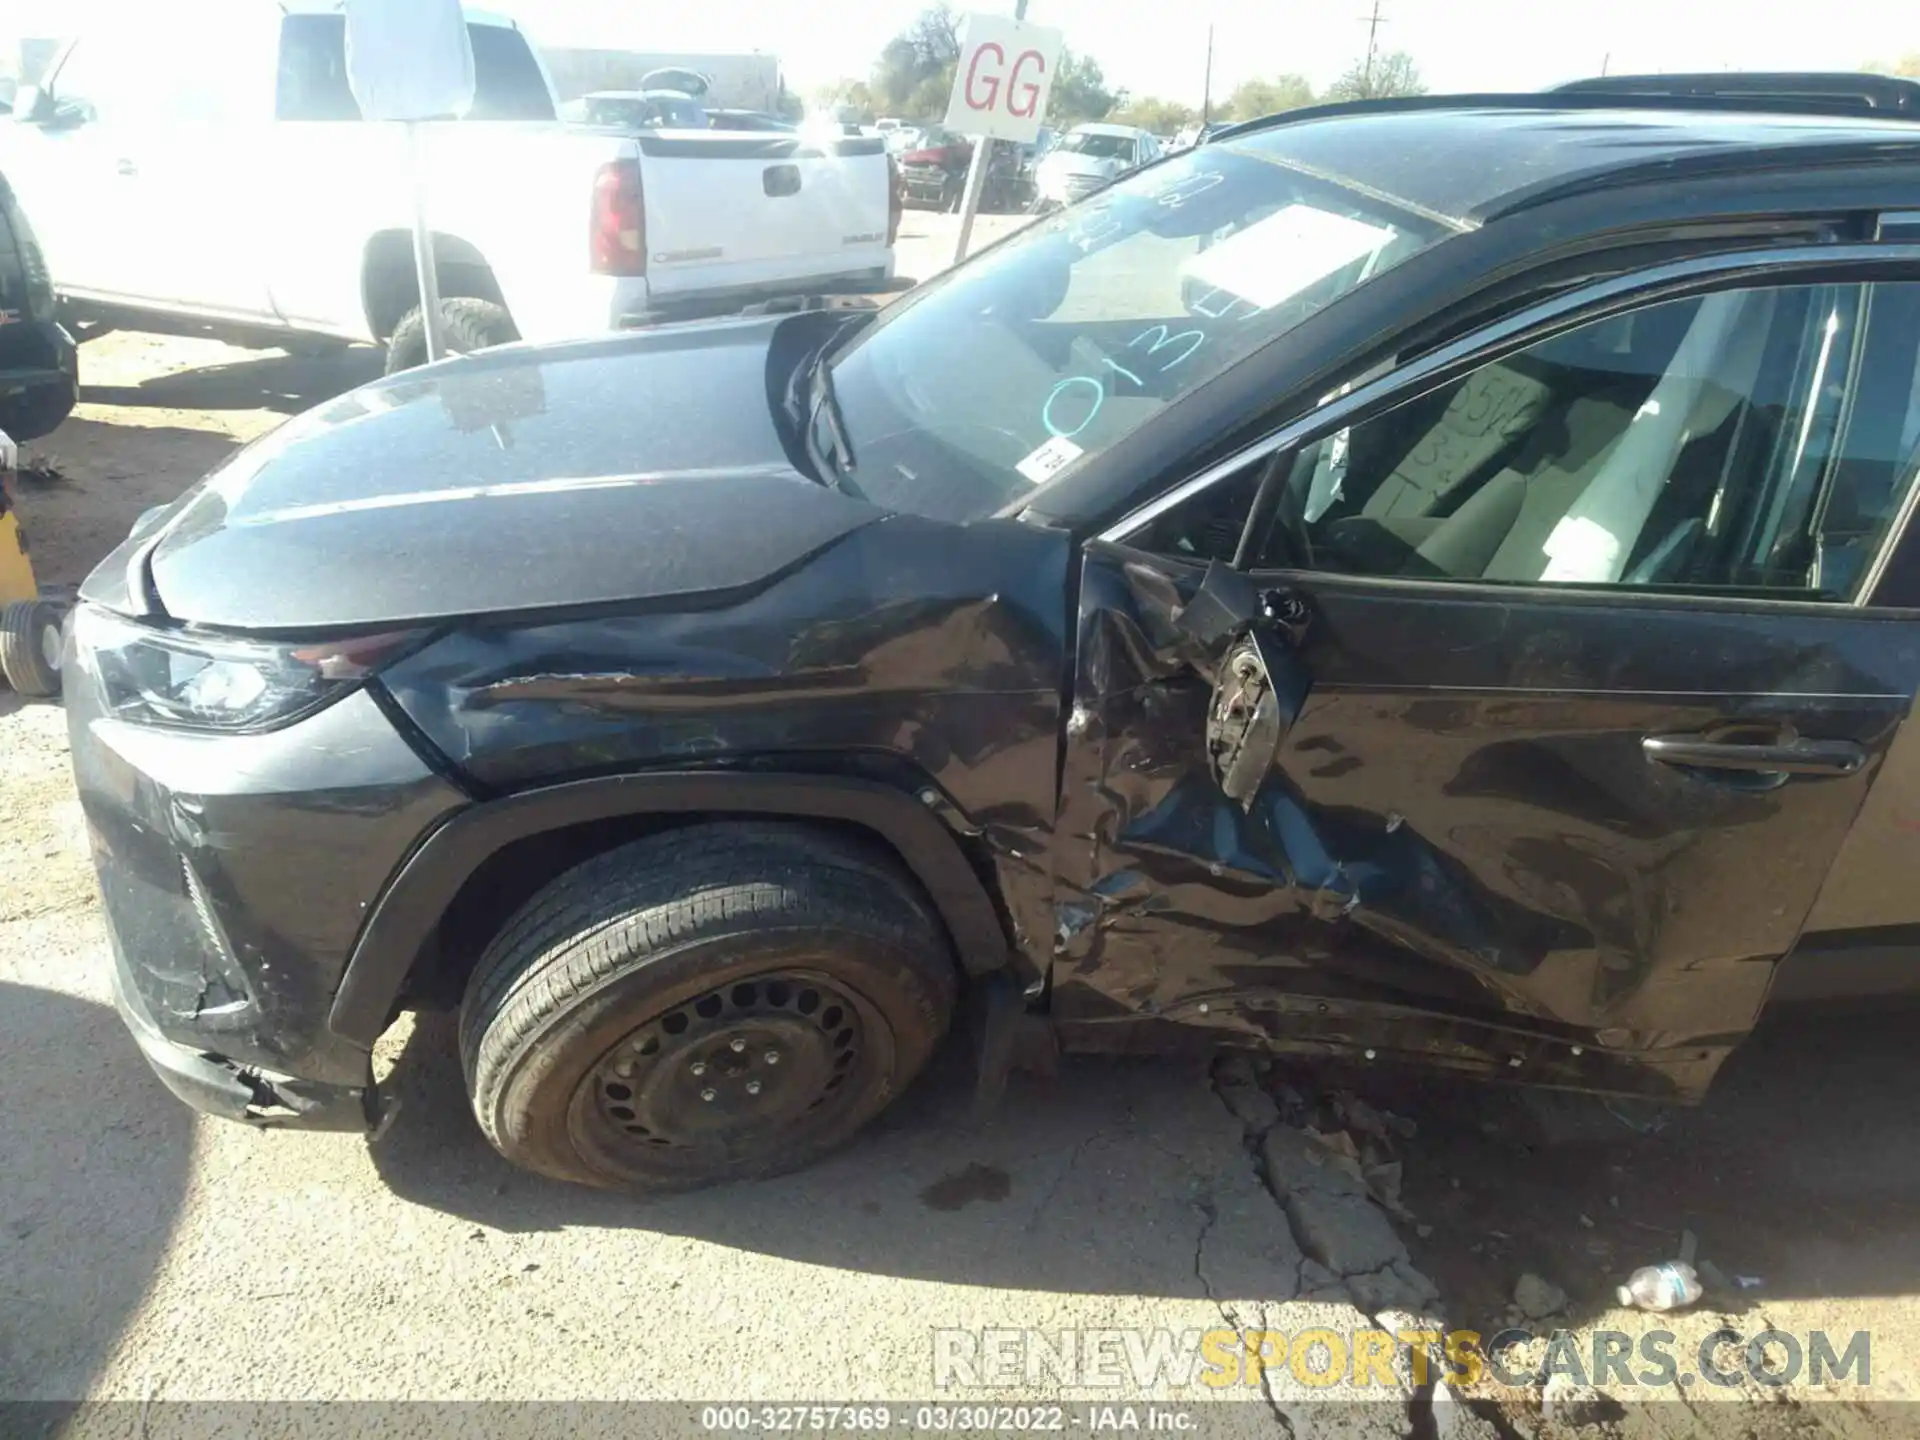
(217,682)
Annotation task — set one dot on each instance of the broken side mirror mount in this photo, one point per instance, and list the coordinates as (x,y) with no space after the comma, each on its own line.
(1257,699)
(1226,602)
(1243,722)
(1261,682)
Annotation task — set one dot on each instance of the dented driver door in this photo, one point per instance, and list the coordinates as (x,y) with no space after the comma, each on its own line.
(1399,822)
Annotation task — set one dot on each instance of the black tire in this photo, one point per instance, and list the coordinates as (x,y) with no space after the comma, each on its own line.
(30,643)
(468,325)
(37,411)
(678,972)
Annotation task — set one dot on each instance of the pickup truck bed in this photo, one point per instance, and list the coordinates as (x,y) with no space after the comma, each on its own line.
(255,199)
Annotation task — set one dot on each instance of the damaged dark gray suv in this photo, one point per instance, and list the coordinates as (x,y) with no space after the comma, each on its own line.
(1424,582)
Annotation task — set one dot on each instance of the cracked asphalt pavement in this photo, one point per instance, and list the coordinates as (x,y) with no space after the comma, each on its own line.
(147,1253)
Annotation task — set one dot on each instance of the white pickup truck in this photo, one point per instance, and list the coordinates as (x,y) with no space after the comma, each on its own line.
(204,164)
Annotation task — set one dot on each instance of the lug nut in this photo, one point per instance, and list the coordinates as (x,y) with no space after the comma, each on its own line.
(737,1046)
(699,1067)
(708,1096)
(753,1087)
(772,1057)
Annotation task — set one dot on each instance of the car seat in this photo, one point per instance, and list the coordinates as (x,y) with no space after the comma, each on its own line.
(1570,507)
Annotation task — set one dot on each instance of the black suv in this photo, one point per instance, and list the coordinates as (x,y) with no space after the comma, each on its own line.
(39,368)
(1425,582)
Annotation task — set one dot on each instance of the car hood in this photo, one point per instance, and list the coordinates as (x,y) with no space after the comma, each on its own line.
(620,469)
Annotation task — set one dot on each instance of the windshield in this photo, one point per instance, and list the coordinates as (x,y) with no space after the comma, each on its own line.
(1100,147)
(1083,327)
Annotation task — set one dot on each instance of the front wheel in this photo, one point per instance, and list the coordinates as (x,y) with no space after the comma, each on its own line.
(466,324)
(710,1004)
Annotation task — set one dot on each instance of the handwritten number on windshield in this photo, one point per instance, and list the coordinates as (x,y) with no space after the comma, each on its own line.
(1189,187)
(1181,345)
(1199,307)
(1095,229)
(1187,341)
(1073,382)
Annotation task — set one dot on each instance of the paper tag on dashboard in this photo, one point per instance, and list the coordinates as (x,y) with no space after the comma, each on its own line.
(1277,257)
(1049,460)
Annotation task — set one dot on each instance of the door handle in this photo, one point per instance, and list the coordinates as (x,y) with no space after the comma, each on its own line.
(125,167)
(1776,757)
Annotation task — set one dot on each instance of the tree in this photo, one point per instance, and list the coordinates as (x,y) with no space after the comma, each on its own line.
(935,36)
(846,91)
(1907,66)
(1149,112)
(914,75)
(1255,98)
(896,75)
(1080,92)
(1388,75)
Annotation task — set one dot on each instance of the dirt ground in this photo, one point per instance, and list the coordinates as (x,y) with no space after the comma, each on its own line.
(1113,1196)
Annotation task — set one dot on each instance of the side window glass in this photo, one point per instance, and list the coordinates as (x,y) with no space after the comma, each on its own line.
(1748,441)
(1207,526)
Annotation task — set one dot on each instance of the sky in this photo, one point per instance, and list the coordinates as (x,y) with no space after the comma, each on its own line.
(1158,47)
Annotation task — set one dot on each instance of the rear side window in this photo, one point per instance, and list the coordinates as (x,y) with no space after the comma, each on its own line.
(1757,441)
(507,80)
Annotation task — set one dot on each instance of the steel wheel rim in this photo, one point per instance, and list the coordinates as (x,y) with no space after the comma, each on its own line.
(749,1063)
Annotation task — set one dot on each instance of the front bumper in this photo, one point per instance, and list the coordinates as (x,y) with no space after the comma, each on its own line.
(926,184)
(218,1086)
(235,871)
(1066,189)
(751,299)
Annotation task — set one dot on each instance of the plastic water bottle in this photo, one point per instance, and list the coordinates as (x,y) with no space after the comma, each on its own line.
(1670,1286)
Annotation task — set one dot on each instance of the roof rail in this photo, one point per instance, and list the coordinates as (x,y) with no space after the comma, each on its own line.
(1880,95)
(1840,101)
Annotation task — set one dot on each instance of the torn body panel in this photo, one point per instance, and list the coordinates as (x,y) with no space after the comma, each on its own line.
(925,656)
(219,1085)
(1459,848)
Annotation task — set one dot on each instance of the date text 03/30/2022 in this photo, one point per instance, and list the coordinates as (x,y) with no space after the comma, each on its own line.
(946,1419)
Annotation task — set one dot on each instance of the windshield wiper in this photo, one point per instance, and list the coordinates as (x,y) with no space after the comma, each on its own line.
(809,394)
(826,406)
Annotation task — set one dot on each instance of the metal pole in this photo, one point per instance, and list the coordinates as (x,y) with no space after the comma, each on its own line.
(977,173)
(1373,45)
(423,245)
(970,199)
(1206,93)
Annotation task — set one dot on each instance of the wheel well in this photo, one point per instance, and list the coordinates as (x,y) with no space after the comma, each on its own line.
(390,285)
(512,875)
